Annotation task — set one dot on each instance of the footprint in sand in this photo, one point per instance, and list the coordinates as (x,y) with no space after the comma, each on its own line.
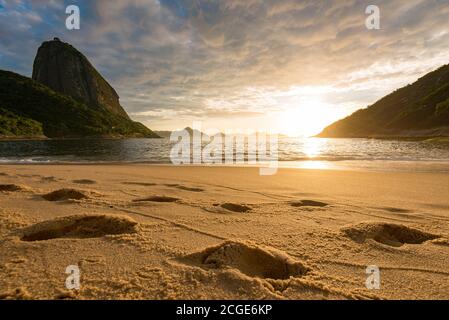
(84,181)
(157,199)
(390,234)
(235,207)
(395,210)
(181,187)
(11,188)
(49,179)
(308,203)
(65,194)
(190,189)
(79,226)
(143,184)
(249,259)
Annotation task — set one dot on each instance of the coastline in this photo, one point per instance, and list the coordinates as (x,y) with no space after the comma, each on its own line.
(390,137)
(183,212)
(312,164)
(443,138)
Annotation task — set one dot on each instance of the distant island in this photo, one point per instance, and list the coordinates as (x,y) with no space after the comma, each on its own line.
(66,98)
(213,134)
(167,133)
(417,110)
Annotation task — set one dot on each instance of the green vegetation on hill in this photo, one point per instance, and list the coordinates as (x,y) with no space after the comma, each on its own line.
(12,125)
(421,108)
(60,116)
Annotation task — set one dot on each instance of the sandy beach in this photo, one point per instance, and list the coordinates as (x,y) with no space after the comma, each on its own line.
(164,232)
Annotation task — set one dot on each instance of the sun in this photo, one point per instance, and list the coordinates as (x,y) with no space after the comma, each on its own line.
(307,118)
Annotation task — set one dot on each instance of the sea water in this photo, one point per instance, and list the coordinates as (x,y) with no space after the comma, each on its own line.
(314,153)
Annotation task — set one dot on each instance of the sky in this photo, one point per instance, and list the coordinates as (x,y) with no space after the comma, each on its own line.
(286,66)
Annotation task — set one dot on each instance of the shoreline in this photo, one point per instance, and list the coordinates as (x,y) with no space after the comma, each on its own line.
(399,138)
(434,166)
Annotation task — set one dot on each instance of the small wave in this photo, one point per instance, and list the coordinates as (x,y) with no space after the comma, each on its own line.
(24,161)
(322,158)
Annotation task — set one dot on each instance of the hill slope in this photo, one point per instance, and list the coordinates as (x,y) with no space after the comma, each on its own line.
(419,109)
(12,125)
(61,116)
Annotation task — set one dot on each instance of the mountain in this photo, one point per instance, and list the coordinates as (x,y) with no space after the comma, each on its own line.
(67,98)
(64,69)
(417,110)
(167,134)
(58,115)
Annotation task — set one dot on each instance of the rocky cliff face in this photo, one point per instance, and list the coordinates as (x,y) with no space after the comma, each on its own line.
(64,69)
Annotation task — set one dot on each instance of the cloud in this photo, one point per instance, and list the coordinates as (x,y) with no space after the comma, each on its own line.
(193,59)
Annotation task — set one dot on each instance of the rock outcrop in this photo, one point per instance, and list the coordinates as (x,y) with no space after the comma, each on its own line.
(63,68)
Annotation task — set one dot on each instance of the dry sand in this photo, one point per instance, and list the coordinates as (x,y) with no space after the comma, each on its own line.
(162,232)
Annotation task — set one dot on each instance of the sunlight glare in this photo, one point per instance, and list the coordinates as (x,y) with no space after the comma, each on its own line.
(313,147)
(307,117)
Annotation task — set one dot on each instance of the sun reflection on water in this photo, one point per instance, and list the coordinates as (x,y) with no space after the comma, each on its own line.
(314,147)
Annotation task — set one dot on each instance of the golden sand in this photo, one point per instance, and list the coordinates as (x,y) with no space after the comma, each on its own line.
(162,232)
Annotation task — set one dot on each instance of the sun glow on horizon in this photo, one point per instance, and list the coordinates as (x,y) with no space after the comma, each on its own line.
(297,111)
(307,118)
